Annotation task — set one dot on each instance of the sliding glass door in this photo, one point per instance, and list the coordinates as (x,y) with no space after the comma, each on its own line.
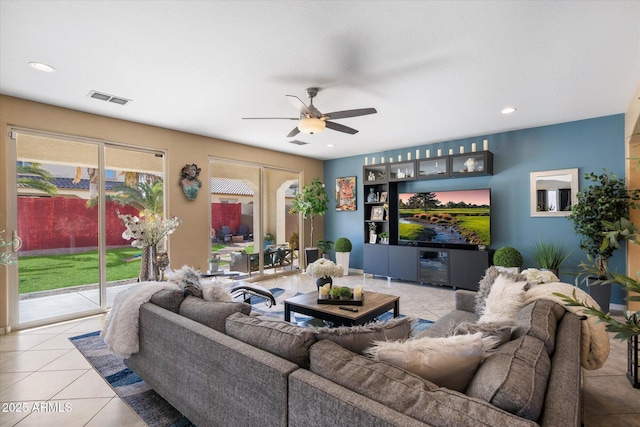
(73,259)
(251,229)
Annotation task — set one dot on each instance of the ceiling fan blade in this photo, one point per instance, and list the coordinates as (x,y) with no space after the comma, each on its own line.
(293,132)
(299,105)
(350,113)
(270,118)
(341,128)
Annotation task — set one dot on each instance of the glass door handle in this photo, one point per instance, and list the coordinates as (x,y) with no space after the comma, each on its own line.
(16,241)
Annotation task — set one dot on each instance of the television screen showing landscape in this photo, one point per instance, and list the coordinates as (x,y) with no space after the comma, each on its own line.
(446,217)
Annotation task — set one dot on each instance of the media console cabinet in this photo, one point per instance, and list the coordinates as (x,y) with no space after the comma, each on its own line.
(458,268)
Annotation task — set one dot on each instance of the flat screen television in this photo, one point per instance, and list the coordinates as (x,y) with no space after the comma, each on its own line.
(456,219)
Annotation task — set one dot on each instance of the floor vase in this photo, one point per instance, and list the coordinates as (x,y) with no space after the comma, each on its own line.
(148,266)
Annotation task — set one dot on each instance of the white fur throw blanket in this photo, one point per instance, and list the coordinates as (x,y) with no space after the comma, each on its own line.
(120,331)
(595,339)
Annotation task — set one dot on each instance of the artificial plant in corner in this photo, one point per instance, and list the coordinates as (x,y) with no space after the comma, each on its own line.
(606,201)
(312,200)
(612,236)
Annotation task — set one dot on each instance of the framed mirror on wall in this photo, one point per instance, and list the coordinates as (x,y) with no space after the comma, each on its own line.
(553,192)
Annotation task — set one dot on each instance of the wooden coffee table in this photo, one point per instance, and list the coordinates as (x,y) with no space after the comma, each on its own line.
(373,305)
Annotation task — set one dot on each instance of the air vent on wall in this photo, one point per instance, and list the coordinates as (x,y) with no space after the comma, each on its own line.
(296,142)
(109,98)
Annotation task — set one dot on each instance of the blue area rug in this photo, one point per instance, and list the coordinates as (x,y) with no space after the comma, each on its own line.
(149,405)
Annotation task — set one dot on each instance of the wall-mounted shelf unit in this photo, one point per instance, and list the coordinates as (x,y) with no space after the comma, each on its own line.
(458,268)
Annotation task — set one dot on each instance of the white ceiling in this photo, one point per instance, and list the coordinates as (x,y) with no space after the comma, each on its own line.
(435,71)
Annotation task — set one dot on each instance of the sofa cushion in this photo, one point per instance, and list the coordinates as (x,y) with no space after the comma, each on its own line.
(514,378)
(403,391)
(283,339)
(169,299)
(505,299)
(211,314)
(540,320)
(446,361)
(359,338)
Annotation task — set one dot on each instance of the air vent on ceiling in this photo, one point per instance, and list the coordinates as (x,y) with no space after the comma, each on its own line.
(109,98)
(295,141)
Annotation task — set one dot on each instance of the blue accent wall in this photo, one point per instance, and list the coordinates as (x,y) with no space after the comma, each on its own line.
(589,145)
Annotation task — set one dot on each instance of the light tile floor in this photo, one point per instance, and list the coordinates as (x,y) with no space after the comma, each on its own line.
(45,381)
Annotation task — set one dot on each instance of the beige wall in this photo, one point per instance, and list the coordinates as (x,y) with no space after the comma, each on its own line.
(190,243)
(632,137)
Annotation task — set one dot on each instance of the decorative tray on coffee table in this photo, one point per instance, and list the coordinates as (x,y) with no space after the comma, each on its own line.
(349,301)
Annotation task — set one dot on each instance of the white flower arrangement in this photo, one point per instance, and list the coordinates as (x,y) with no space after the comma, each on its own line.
(540,276)
(324,268)
(148,230)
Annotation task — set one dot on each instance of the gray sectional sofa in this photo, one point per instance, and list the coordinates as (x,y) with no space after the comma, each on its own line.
(217,376)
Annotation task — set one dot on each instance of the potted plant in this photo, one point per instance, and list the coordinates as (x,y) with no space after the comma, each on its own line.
(508,258)
(312,200)
(268,239)
(629,329)
(325,247)
(214,263)
(384,237)
(345,293)
(324,271)
(343,247)
(334,293)
(550,256)
(607,201)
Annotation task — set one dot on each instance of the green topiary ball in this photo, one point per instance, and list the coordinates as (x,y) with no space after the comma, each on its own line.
(342,244)
(508,257)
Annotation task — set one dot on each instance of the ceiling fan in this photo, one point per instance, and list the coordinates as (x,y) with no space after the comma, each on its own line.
(313,121)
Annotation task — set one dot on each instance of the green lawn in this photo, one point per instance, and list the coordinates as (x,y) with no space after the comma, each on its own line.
(47,272)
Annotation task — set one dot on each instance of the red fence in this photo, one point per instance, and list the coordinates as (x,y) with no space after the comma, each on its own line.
(60,222)
(226,214)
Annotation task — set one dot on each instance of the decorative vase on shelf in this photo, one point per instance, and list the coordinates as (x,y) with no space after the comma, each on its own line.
(320,282)
(470,164)
(148,267)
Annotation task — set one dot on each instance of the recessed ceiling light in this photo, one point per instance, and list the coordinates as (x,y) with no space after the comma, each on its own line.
(508,110)
(42,67)
(330,145)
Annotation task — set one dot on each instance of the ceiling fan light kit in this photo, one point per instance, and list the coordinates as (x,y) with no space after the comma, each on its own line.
(312,121)
(311,125)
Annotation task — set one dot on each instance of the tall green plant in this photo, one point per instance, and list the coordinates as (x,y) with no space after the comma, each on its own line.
(312,200)
(614,233)
(33,176)
(144,196)
(549,255)
(608,200)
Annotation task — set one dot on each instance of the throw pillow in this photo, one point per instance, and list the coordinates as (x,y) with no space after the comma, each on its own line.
(446,361)
(359,338)
(188,279)
(214,292)
(168,299)
(485,284)
(283,339)
(514,378)
(539,319)
(505,299)
(211,314)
